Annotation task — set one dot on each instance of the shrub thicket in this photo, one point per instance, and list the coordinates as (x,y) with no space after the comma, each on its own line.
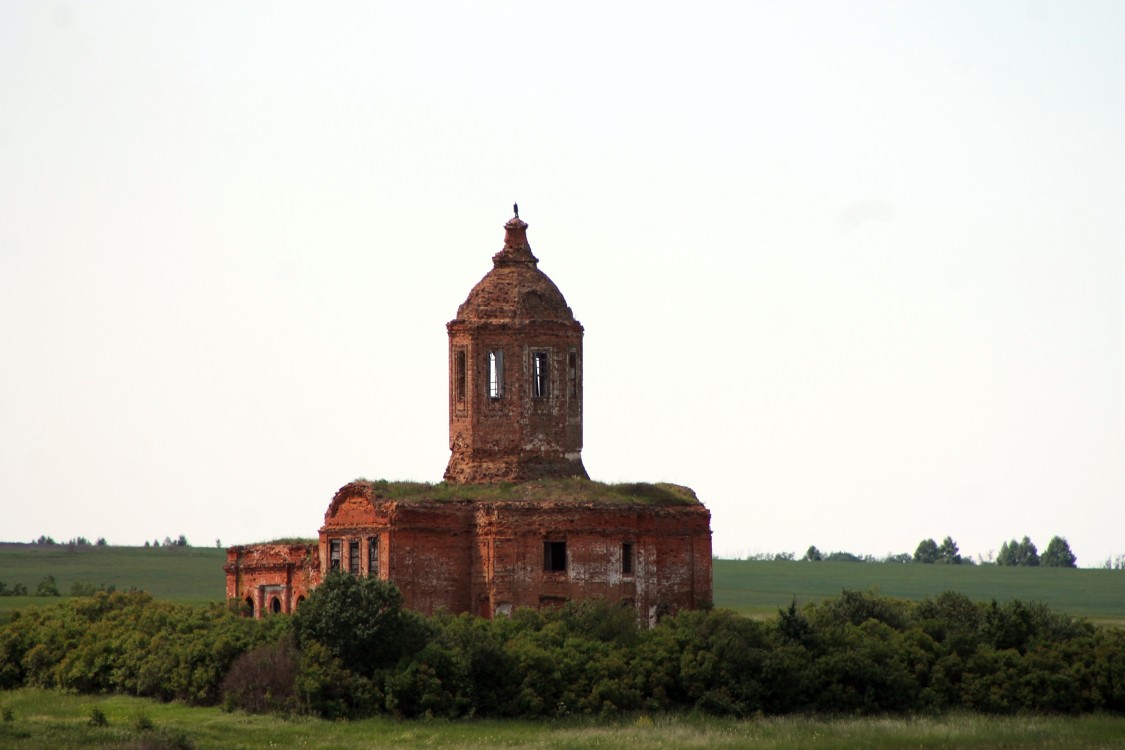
(353,651)
(127,642)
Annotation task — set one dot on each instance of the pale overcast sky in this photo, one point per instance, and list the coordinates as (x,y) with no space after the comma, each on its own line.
(851,270)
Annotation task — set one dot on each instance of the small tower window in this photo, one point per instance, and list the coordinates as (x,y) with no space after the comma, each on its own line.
(334,554)
(459,375)
(554,556)
(572,375)
(353,556)
(373,556)
(627,558)
(539,372)
(496,374)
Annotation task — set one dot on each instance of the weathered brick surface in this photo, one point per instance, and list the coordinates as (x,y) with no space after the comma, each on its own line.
(271,577)
(500,428)
(488,556)
(516,422)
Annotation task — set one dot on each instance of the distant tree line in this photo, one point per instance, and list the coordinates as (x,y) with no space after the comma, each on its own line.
(352,650)
(1057,555)
(1116,562)
(46,587)
(79,541)
(180,541)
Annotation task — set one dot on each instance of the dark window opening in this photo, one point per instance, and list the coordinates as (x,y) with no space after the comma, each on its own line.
(373,556)
(627,558)
(300,601)
(496,374)
(459,374)
(250,605)
(554,556)
(334,554)
(539,381)
(275,605)
(353,556)
(572,375)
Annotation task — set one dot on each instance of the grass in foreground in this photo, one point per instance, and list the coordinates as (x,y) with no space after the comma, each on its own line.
(44,719)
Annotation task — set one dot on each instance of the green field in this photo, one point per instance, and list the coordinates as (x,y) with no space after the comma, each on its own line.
(45,720)
(194,575)
(190,575)
(31,718)
(758,588)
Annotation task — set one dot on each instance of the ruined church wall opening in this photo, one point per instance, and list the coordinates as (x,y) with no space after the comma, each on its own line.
(460,377)
(353,557)
(554,557)
(540,374)
(496,374)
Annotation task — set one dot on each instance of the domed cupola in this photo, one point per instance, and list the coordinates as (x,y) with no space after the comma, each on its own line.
(515,290)
(515,374)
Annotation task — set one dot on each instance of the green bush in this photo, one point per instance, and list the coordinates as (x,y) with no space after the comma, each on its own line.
(47,587)
(264,679)
(360,621)
(127,642)
(98,717)
(353,651)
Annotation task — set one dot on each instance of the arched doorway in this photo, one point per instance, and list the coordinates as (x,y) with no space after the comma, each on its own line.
(275,605)
(249,606)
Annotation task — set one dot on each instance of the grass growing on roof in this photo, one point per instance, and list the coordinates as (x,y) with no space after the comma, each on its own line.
(570,489)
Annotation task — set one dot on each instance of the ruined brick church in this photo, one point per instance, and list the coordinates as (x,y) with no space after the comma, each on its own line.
(517,522)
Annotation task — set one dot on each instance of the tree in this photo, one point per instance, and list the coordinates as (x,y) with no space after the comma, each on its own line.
(842,557)
(47,587)
(812,554)
(1058,554)
(360,620)
(1018,553)
(1027,554)
(927,552)
(948,552)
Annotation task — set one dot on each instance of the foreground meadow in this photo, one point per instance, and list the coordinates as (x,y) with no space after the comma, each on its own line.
(49,720)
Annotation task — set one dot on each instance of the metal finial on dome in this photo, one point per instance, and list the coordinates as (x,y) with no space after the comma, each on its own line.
(516,209)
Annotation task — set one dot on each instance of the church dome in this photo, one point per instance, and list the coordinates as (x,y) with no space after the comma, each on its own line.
(515,288)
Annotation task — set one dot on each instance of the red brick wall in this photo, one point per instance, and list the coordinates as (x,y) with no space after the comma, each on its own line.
(488,557)
(264,572)
(484,557)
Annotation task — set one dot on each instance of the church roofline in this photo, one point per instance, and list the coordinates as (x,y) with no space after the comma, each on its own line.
(567,490)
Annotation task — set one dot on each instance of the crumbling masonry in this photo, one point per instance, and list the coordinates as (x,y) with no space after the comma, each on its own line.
(517,522)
